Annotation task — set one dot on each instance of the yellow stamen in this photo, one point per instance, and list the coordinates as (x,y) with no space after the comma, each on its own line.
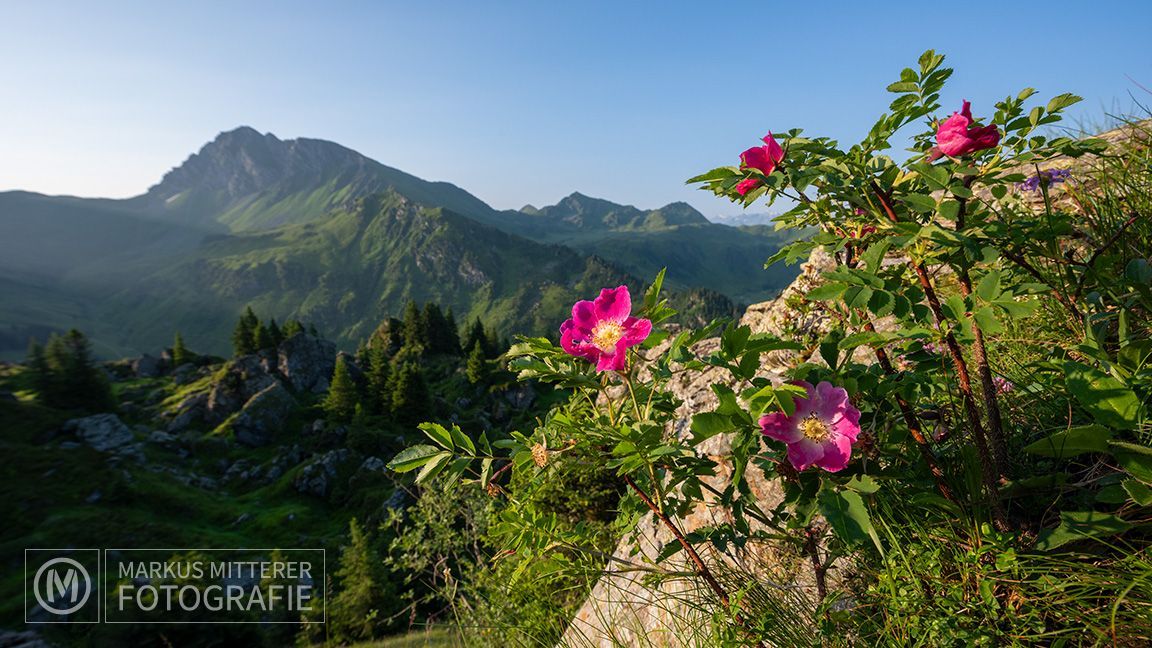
(606,335)
(813,428)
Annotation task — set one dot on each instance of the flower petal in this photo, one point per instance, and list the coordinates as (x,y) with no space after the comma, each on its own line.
(584,315)
(746,185)
(635,331)
(837,451)
(804,453)
(611,362)
(613,304)
(780,427)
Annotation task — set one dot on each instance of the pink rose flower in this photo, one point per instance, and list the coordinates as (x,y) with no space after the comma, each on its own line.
(765,158)
(821,431)
(957,136)
(602,330)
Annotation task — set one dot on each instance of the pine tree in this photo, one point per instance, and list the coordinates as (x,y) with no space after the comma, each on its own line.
(411,400)
(440,334)
(379,372)
(312,330)
(358,610)
(414,329)
(475,335)
(180,353)
(275,333)
(244,335)
(71,379)
(340,404)
(450,321)
(38,370)
(262,338)
(477,366)
(292,328)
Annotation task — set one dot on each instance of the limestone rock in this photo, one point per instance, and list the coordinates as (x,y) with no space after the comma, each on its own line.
(147,366)
(263,415)
(241,379)
(103,432)
(318,477)
(306,362)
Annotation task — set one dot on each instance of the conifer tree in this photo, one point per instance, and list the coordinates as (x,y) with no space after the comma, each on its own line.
(262,338)
(244,335)
(292,328)
(411,400)
(180,353)
(275,333)
(72,380)
(476,334)
(358,610)
(340,404)
(38,370)
(379,373)
(477,366)
(414,329)
(312,330)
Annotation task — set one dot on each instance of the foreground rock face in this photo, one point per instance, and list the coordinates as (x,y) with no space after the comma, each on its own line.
(307,362)
(103,432)
(624,608)
(263,416)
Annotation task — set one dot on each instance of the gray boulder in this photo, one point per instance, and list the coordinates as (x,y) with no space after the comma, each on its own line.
(241,379)
(307,362)
(263,415)
(318,477)
(103,432)
(147,366)
(191,410)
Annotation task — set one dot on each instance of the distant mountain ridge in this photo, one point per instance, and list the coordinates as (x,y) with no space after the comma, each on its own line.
(311,229)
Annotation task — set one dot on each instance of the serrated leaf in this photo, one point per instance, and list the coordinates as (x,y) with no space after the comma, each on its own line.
(462,440)
(1062,101)
(412,458)
(848,517)
(920,203)
(437,433)
(989,287)
(433,467)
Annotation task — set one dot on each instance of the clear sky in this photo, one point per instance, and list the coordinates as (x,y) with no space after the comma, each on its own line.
(517,102)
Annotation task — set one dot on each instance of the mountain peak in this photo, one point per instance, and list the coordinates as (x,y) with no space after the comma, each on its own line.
(243,161)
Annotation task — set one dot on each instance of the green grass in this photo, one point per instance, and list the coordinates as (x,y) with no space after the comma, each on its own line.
(431,638)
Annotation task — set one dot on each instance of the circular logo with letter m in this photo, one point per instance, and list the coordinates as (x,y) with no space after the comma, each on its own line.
(62,586)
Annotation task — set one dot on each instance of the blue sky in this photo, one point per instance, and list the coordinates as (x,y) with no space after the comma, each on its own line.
(517,102)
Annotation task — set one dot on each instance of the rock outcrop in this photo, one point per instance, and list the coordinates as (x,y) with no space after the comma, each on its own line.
(625,605)
(263,416)
(103,432)
(307,362)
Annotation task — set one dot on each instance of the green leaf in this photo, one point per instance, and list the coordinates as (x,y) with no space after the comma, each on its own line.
(1108,400)
(1136,459)
(903,86)
(1062,101)
(863,484)
(827,291)
(848,517)
(1138,491)
(433,467)
(462,440)
(437,433)
(652,295)
(989,287)
(860,339)
(412,458)
(1073,442)
(1080,525)
(706,425)
(987,320)
(920,203)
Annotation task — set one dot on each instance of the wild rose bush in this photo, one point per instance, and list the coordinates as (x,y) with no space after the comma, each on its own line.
(919,414)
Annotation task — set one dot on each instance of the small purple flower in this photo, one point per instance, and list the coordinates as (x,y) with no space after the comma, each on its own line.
(930,347)
(1003,385)
(1045,178)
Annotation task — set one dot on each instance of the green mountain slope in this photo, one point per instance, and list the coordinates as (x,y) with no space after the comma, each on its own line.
(310,229)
